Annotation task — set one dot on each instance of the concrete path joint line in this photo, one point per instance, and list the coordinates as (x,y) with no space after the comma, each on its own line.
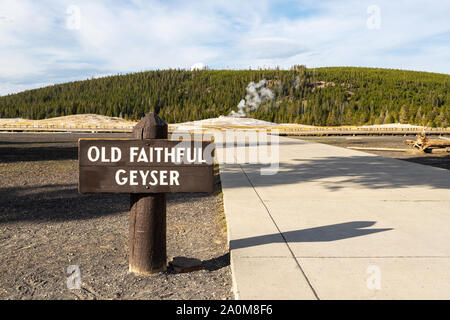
(284,239)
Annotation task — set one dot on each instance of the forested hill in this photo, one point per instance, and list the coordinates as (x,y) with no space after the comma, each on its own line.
(321,96)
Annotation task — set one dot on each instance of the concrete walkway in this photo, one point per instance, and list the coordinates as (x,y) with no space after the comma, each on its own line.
(335,223)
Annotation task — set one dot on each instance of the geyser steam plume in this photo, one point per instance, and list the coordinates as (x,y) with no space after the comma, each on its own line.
(257,93)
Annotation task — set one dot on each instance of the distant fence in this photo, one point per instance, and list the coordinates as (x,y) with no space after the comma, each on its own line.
(63,128)
(361,131)
(280,130)
(314,131)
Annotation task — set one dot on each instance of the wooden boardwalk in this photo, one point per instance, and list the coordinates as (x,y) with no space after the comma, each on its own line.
(281,132)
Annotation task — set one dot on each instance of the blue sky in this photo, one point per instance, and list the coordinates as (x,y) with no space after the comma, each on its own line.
(47,41)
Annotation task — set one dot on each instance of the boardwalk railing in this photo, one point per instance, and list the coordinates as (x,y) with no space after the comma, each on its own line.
(281,130)
(64,128)
(361,131)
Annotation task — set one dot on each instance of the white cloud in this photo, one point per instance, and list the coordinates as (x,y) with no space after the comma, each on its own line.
(11,87)
(268,48)
(36,45)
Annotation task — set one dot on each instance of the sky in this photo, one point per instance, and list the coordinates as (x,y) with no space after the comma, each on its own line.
(47,41)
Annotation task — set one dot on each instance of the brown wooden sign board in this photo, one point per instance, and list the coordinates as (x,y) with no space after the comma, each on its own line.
(145,166)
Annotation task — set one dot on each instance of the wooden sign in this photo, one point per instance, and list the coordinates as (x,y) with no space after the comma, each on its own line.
(145,166)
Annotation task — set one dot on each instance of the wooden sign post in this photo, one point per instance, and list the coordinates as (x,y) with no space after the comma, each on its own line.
(147,242)
(147,167)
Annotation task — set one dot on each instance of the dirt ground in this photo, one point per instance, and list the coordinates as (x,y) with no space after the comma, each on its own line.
(47,226)
(436,160)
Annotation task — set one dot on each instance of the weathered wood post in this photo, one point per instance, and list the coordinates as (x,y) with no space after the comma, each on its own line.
(148,212)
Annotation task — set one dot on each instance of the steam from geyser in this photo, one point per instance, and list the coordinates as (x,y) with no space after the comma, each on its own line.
(257,93)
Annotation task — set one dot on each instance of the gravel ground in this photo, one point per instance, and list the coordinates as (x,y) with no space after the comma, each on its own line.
(46,226)
(431,159)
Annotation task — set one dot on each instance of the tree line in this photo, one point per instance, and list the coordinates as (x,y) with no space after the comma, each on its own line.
(321,96)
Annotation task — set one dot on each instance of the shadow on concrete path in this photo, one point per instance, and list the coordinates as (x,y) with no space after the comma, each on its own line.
(334,172)
(331,232)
